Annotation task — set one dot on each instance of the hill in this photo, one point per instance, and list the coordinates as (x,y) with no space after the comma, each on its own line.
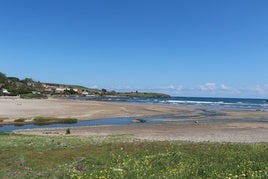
(29,88)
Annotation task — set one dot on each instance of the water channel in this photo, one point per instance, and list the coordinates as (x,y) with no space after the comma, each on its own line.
(161,119)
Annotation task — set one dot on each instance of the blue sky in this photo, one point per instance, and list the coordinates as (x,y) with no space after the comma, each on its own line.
(184,48)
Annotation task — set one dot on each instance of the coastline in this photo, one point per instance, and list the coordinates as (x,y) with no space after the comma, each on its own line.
(12,109)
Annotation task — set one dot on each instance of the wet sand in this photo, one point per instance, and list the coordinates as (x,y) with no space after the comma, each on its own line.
(11,109)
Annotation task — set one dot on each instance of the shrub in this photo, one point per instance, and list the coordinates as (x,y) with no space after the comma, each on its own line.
(20,120)
(53,120)
(68,131)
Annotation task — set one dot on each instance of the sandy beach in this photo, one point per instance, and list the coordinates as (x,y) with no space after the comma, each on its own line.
(11,109)
(209,132)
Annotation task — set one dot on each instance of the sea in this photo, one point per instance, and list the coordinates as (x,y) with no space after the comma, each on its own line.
(196,102)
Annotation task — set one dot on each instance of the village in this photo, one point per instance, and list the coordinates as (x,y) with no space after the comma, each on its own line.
(12,86)
(50,89)
(57,89)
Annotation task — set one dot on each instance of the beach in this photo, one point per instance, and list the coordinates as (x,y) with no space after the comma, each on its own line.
(210,132)
(11,109)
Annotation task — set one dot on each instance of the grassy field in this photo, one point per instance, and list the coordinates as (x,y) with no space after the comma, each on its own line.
(123,157)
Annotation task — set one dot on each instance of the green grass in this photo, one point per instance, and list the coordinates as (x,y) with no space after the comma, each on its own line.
(53,120)
(4,133)
(122,157)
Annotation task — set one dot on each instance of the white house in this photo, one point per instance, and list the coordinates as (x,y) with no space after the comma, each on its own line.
(85,93)
(36,92)
(60,90)
(5,91)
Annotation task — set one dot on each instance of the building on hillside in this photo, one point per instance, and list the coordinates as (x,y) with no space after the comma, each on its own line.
(36,92)
(5,91)
(31,84)
(49,88)
(60,90)
(84,93)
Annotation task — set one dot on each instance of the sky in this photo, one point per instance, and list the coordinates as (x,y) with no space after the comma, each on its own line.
(208,48)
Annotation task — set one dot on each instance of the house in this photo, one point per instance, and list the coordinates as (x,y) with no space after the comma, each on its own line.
(49,87)
(60,90)
(79,91)
(36,92)
(31,84)
(5,91)
(84,93)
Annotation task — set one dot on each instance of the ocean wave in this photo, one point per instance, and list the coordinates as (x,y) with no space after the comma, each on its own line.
(194,102)
(240,105)
(215,103)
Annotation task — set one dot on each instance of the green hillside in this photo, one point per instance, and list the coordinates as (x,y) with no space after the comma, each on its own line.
(29,88)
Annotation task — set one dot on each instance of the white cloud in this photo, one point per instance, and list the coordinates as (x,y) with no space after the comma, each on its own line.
(229,89)
(208,87)
(170,87)
(207,90)
(95,87)
(127,88)
(258,89)
(224,87)
(173,87)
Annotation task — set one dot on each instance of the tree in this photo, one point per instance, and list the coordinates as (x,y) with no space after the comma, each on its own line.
(69,92)
(3,78)
(113,92)
(28,80)
(14,79)
(103,90)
